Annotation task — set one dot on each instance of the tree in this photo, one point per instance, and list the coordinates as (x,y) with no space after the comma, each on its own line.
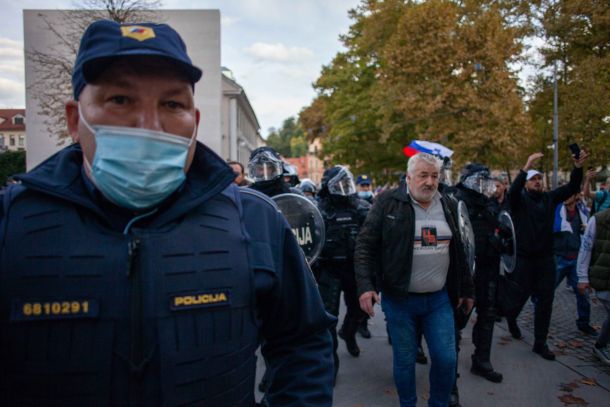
(436,70)
(577,39)
(11,163)
(281,140)
(53,67)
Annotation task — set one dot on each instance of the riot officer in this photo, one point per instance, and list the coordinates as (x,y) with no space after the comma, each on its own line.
(476,189)
(308,188)
(266,169)
(343,214)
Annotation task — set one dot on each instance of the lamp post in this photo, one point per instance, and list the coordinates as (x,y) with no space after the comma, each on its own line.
(555,128)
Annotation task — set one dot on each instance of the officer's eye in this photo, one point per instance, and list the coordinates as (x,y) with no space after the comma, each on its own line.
(174,105)
(118,99)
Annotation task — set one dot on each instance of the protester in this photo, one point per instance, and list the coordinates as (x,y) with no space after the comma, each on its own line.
(570,220)
(411,238)
(500,200)
(600,199)
(533,214)
(133,270)
(238,170)
(343,214)
(476,189)
(594,273)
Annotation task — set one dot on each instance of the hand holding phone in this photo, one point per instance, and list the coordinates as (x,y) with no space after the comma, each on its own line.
(575,149)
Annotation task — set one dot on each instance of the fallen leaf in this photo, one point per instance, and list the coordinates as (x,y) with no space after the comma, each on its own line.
(506,338)
(568,387)
(426,396)
(589,381)
(576,343)
(561,344)
(390,390)
(568,400)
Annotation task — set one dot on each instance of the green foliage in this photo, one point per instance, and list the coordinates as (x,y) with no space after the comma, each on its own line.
(289,140)
(577,38)
(435,70)
(11,163)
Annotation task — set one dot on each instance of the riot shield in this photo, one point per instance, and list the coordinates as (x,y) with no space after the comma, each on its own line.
(508,257)
(305,221)
(466,234)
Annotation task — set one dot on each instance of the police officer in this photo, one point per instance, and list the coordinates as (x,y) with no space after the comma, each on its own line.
(133,270)
(476,189)
(266,169)
(308,188)
(363,184)
(343,214)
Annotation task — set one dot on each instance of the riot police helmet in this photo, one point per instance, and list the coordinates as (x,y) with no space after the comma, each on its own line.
(265,164)
(338,180)
(477,177)
(290,174)
(307,186)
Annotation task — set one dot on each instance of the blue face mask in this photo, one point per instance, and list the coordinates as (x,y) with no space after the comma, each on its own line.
(137,168)
(365,194)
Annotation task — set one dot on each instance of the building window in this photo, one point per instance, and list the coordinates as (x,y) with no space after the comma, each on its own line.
(21,141)
(18,120)
(12,142)
(1,140)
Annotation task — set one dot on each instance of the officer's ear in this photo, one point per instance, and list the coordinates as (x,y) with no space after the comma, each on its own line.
(72,119)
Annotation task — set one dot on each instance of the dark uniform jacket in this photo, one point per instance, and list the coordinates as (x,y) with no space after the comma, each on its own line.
(385,246)
(99,307)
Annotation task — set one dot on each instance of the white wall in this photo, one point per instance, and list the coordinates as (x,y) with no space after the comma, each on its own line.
(200,30)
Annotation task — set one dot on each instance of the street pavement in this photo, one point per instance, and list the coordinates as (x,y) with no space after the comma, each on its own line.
(576,378)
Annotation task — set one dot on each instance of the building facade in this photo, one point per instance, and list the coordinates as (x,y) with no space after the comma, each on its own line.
(310,166)
(12,130)
(240,127)
(200,30)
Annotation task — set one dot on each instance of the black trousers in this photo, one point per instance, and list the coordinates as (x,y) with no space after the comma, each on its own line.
(335,276)
(536,276)
(485,285)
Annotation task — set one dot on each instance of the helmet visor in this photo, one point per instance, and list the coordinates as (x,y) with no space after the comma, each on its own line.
(264,167)
(342,183)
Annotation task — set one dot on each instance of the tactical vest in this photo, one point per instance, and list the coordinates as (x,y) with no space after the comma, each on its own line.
(599,271)
(342,227)
(91,317)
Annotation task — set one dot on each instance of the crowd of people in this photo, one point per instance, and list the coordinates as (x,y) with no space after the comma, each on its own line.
(139,268)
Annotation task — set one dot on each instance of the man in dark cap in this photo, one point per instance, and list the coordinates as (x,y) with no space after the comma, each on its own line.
(134,271)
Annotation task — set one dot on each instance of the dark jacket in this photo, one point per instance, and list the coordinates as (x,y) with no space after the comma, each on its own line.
(385,247)
(534,214)
(226,252)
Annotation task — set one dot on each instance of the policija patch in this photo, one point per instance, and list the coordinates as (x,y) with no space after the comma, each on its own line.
(210,298)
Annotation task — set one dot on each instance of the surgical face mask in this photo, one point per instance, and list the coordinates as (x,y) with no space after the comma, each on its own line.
(480,184)
(365,194)
(342,183)
(137,168)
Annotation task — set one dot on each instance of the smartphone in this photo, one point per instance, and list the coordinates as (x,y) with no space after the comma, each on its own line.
(575,150)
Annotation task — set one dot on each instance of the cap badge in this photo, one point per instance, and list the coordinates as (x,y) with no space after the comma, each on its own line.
(138,32)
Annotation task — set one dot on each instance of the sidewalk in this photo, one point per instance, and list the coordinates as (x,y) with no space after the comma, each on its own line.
(576,377)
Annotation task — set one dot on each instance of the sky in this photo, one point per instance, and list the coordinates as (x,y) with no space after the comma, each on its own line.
(275,48)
